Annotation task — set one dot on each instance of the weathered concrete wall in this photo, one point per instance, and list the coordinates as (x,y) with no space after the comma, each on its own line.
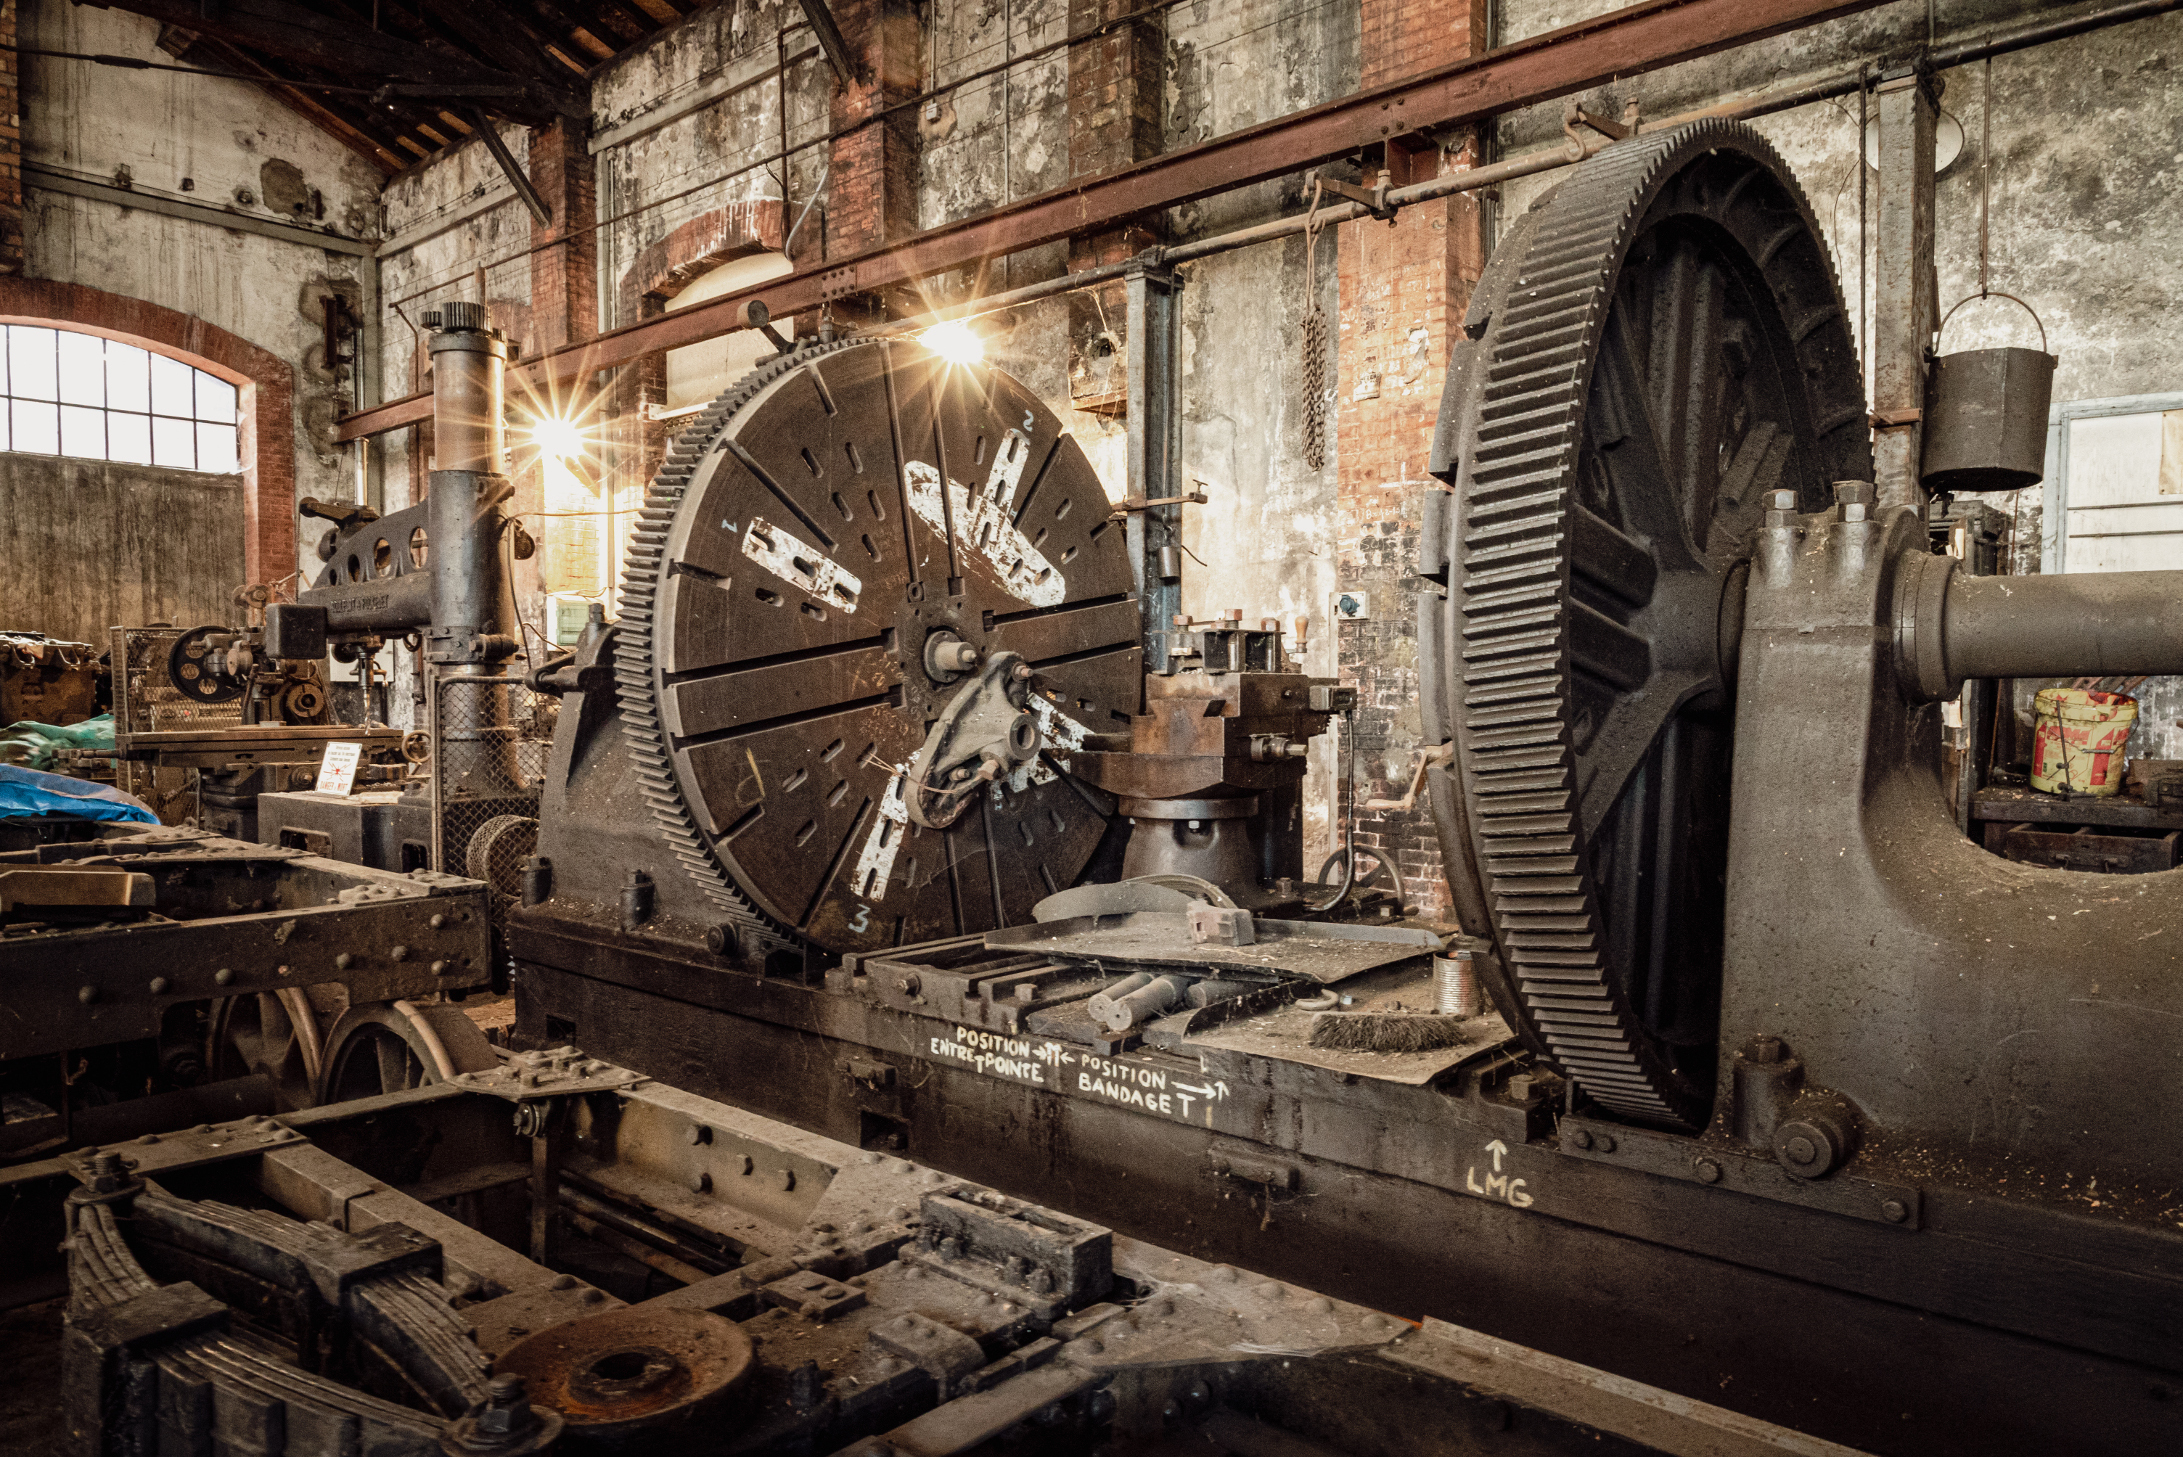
(222,144)
(87,544)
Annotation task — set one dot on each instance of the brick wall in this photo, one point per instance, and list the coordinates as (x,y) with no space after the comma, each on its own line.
(1404,288)
(1116,92)
(871,191)
(11,149)
(564,277)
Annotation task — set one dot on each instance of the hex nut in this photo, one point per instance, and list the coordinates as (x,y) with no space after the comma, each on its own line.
(1580,1138)
(1606,1143)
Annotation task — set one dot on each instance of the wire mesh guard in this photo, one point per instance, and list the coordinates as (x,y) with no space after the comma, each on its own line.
(491,737)
(145,698)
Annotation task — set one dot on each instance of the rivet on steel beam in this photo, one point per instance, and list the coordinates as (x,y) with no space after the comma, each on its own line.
(437,921)
(87,995)
(223,976)
(159,986)
(399,953)
(343,961)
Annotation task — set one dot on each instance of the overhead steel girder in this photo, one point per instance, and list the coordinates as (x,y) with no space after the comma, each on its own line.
(1625,42)
(347,49)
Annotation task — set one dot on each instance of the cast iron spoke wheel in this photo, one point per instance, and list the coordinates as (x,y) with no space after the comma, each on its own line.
(388,1047)
(1654,348)
(278,1035)
(821,525)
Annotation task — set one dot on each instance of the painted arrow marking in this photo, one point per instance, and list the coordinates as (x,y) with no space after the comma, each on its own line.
(1497,1149)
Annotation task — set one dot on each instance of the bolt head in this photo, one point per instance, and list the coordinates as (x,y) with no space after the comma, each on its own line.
(1580,1138)
(1800,1150)
(1895,1211)
(1708,1172)
(1783,500)
(1606,1143)
(1766,1050)
(701,1183)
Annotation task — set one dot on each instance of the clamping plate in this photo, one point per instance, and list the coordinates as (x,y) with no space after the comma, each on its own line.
(829,554)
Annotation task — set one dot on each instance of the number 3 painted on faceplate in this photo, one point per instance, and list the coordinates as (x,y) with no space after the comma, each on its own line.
(863,922)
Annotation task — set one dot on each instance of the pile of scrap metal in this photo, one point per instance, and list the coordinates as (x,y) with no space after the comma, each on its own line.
(559,1256)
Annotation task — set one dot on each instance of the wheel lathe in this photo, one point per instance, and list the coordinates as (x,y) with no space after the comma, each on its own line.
(1759,1052)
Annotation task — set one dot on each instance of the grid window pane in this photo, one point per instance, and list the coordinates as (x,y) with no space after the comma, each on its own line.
(174,442)
(31,372)
(83,432)
(128,378)
(69,393)
(83,369)
(215,447)
(129,438)
(37,427)
(172,387)
(215,399)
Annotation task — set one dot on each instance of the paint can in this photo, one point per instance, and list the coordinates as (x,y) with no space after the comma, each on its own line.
(2077,740)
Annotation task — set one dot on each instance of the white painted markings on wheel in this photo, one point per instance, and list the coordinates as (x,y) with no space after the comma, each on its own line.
(1495,1184)
(983,523)
(805,568)
(1042,1062)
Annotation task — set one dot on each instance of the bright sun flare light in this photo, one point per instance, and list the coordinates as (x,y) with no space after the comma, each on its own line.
(955,342)
(561,439)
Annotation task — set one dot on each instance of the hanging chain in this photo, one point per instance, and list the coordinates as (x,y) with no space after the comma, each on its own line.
(1315,342)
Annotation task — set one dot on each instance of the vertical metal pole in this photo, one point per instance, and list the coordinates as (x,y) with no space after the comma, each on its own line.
(365,376)
(1154,360)
(1904,304)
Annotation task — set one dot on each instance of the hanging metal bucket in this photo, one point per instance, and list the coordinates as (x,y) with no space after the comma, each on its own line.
(1986,414)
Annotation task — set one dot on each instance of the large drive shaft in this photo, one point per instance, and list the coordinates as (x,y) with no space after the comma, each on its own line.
(1951,626)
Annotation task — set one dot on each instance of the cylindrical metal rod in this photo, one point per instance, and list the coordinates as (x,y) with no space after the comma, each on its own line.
(2086,624)
(468,365)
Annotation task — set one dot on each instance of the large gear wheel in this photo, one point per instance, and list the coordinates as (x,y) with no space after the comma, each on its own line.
(811,545)
(1654,348)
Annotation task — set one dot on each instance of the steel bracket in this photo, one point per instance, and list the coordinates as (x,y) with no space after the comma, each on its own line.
(1674,1156)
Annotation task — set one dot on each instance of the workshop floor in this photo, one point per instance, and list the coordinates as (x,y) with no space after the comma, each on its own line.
(30,1354)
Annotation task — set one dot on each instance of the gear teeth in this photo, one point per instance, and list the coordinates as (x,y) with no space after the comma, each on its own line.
(1510,650)
(636,671)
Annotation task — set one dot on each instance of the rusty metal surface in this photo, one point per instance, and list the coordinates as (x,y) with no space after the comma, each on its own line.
(627,1372)
(1312,950)
(1620,43)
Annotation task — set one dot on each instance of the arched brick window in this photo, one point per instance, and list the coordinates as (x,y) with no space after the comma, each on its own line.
(264,386)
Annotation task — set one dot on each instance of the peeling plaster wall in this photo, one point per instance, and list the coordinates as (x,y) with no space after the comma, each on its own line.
(155,130)
(2087,151)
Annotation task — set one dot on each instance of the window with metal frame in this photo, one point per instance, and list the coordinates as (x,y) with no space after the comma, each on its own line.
(73,394)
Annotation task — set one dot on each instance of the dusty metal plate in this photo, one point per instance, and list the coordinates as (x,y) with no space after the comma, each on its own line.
(631,1371)
(812,531)
(1318,951)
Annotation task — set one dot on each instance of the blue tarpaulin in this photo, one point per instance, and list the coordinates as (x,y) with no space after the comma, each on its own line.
(29,792)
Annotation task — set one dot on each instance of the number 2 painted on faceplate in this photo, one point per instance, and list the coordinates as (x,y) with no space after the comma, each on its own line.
(1027,425)
(863,922)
